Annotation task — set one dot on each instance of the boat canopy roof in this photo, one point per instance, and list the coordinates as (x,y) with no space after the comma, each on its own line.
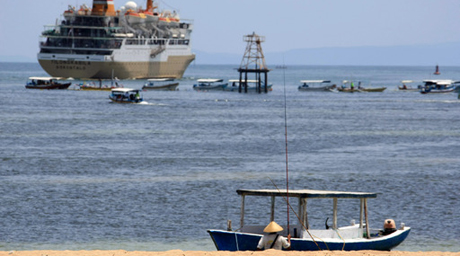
(209,80)
(442,82)
(407,81)
(160,79)
(124,90)
(305,193)
(242,80)
(44,78)
(315,81)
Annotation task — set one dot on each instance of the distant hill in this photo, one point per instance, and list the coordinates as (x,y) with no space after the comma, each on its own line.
(447,54)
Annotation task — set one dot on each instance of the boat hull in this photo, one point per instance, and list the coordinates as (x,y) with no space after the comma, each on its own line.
(174,67)
(381,89)
(169,87)
(437,91)
(236,241)
(316,89)
(49,87)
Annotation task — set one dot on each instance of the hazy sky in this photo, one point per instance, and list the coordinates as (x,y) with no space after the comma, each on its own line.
(289,24)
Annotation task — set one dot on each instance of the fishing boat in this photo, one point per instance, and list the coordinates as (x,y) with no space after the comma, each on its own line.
(370,89)
(46,83)
(161,84)
(344,87)
(407,87)
(318,86)
(126,95)
(437,86)
(209,84)
(356,236)
(252,86)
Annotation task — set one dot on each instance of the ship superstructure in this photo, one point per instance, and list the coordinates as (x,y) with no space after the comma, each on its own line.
(103,43)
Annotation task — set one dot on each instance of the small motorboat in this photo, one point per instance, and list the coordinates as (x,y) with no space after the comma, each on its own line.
(46,83)
(209,84)
(356,236)
(437,86)
(406,86)
(318,86)
(126,95)
(161,84)
(252,86)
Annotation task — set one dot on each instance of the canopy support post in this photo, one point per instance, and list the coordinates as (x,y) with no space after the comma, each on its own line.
(367,219)
(272,211)
(334,224)
(242,212)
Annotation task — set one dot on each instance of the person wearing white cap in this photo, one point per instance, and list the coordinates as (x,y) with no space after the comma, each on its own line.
(273,240)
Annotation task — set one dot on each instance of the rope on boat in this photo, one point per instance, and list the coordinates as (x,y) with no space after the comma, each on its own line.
(300,221)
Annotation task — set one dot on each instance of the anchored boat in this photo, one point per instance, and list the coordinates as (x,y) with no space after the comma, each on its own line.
(252,86)
(209,84)
(354,237)
(46,83)
(161,84)
(318,86)
(437,86)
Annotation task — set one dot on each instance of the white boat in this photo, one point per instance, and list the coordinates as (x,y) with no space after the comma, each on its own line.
(209,84)
(437,86)
(316,86)
(126,95)
(161,84)
(407,87)
(349,238)
(252,86)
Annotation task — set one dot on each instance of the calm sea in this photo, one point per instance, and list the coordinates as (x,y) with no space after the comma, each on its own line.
(80,173)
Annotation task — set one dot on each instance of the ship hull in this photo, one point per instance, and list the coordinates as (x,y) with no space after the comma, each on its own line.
(174,67)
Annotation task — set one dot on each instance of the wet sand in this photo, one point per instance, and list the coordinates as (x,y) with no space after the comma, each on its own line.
(221,253)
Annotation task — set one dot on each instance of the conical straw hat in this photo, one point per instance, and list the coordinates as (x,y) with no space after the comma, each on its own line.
(273,227)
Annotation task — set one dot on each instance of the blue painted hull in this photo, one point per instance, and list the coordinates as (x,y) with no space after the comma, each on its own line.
(235,241)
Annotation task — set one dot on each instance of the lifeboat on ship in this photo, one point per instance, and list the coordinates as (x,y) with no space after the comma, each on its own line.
(69,14)
(135,18)
(151,17)
(84,10)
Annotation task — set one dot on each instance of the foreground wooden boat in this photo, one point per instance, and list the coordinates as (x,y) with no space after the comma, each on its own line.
(354,237)
(126,95)
(46,83)
(161,84)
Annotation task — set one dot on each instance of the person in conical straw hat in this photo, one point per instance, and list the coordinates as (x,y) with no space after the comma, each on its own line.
(273,240)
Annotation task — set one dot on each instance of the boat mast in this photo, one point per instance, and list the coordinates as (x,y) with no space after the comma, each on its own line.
(286,146)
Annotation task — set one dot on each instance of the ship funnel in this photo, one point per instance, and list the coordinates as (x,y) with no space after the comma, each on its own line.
(103,8)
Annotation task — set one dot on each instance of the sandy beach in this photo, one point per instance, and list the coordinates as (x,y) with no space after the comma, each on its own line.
(221,253)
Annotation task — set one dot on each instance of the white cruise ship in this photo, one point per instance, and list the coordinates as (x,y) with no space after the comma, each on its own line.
(103,43)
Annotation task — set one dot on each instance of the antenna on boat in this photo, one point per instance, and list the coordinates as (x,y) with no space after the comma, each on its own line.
(286,145)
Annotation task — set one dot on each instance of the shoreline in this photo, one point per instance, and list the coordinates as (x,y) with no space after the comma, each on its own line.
(221,253)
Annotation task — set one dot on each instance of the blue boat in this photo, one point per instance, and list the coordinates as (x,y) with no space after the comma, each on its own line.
(357,236)
(437,86)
